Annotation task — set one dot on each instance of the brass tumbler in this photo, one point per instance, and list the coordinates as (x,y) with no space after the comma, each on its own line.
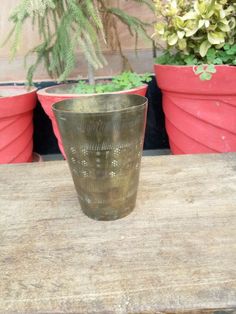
(103,140)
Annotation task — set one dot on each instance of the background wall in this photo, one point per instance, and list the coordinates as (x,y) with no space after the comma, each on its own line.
(44,139)
(14,71)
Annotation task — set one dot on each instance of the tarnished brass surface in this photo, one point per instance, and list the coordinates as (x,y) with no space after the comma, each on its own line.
(103,140)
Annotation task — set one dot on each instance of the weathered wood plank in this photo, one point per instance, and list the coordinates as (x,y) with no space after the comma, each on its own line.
(175,253)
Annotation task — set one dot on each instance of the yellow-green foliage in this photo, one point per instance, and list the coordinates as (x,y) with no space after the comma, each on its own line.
(193,27)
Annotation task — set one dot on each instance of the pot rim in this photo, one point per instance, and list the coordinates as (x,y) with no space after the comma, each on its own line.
(12,87)
(44,91)
(194,65)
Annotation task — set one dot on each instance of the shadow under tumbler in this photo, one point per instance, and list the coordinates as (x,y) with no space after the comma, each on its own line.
(103,140)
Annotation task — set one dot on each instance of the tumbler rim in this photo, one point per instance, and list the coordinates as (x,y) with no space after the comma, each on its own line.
(97,112)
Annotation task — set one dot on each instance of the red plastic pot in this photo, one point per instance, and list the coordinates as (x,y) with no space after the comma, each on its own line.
(50,95)
(200,116)
(16,124)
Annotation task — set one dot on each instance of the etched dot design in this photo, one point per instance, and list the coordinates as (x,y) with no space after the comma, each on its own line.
(73,160)
(112,174)
(84,163)
(84,173)
(115,163)
(117,151)
(87,199)
(84,152)
(75,171)
(98,161)
(73,150)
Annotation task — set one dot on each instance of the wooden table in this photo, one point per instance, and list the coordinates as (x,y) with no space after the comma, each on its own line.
(176,252)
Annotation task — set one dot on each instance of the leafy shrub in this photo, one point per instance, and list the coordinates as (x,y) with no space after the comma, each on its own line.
(197,31)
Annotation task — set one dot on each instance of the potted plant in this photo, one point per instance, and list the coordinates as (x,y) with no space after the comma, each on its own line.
(16,124)
(75,24)
(125,83)
(197,73)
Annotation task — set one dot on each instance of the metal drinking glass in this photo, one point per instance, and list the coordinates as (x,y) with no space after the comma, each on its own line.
(103,140)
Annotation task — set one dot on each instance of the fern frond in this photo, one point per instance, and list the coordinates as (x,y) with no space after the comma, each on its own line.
(65,26)
(148,3)
(133,23)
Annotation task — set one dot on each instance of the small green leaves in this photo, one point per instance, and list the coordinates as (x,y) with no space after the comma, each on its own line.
(205,71)
(124,81)
(199,69)
(205,76)
(231,50)
(190,60)
(211,68)
(226,47)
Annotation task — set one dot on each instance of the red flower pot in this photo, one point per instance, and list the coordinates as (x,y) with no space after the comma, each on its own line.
(200,116)
(50,95)
(16,124)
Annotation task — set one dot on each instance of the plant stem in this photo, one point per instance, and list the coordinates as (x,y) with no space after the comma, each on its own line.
(91,78)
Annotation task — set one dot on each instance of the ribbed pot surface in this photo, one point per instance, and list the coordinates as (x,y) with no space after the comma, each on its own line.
(200,116)
(16,124)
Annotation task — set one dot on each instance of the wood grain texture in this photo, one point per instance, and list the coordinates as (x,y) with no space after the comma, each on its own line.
(175,253)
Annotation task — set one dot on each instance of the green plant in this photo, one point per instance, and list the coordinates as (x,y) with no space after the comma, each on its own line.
(205,71)
(65,26)
(124,81)
(197,32)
